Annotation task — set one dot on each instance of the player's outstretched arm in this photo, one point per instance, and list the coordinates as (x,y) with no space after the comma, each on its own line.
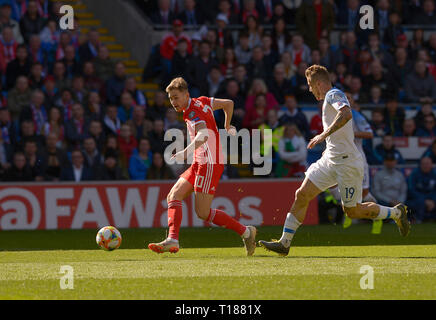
(201,137)
(227,105)
(344,115)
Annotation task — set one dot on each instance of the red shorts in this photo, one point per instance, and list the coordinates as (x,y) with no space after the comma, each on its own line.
(204,177)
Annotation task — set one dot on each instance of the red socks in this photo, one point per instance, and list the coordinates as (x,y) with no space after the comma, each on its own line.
(174,218)
(220,218)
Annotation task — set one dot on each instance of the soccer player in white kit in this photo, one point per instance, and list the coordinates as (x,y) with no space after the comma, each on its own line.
(341,164)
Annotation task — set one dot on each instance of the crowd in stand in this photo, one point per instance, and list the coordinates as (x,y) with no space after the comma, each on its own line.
(68,111)
(261,67)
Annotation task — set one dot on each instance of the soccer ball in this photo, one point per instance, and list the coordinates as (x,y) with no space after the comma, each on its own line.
(108,238)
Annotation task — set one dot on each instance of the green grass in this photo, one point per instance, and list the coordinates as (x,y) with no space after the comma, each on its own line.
(324,264)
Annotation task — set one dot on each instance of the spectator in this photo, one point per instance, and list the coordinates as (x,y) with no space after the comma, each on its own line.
(19,171)
(156,136)
(425,110)
(163,15)
(199,69)
(254,32)
(378,124)
(394,116)
(60,76)
(299,85)
(115,85)
(387,146)
(431,152)
(375,95)
(8,48)
(315,19)
(112,123)
(214,81)
(36,79)
(65,104)
(75,128)
(93,158)
(169,42)
(420,85)
(19,97)
(54,158)
(7,21)
(349,15)
(259,87)
(409,128)
(280,86)
(348,51)
(328,56)
(273,124)
(89,50)
(76,170)
(422,190)
(158,109)
(256,115)
(389,185)
(225,8)
(78,90)
(232,92)
(50,36)
(141,160)
(126,143)
(249,10)
(31,22)
(159,170)
(229,64)
(28,133)
(7,127)
(34,160)
(104,65)
(429,129)
(400,69)
(393,30)
(55,126)
(299,50)
(94,83)
(36,112)
(266,9)
(20,66)
(292,152)
(290,113)
(139,125)
(95,131)
(125,110)
(94,108)
(242,50)
(72,66)
(242,79)
(191,15)
(281,38)
(110,170)
(426,15)
(180,61)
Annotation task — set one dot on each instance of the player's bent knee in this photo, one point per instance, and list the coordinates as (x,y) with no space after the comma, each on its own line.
(202,214)
(301,196)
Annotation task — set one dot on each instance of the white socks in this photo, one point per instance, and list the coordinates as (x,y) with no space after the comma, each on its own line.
(246,233)
(289,229)
(388,213)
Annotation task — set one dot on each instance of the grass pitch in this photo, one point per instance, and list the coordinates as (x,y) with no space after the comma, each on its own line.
(324,263)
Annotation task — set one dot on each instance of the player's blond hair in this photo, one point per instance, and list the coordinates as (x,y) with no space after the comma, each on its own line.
(177,84)
(317,73)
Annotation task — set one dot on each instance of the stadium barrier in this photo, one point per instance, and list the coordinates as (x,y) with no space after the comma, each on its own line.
(139,204)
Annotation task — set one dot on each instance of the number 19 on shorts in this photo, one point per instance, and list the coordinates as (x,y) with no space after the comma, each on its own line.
(349,193)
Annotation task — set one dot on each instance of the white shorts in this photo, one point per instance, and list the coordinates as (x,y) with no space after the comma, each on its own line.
(348,176)
(365,183)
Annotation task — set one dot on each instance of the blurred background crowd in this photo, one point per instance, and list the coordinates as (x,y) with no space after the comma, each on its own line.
(70,112)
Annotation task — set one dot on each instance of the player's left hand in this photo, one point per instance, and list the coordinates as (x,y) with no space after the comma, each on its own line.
(180,156)
(315,140)
(231,130)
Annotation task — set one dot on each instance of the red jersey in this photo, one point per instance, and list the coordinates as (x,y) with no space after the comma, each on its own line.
(200,110)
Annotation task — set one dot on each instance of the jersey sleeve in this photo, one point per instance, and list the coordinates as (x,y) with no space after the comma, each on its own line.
(360,123)
(337,99)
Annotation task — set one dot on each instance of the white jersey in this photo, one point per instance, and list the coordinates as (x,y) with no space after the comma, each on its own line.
(340,146)
(360,125)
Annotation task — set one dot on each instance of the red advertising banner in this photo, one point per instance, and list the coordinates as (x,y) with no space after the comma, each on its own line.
(132,204)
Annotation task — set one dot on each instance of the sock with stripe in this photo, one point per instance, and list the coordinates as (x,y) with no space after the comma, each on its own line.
(175,214)
(388,213)
(289,229)
(222,219)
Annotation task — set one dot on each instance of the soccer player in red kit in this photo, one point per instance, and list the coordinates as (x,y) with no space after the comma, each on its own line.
(203,176)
